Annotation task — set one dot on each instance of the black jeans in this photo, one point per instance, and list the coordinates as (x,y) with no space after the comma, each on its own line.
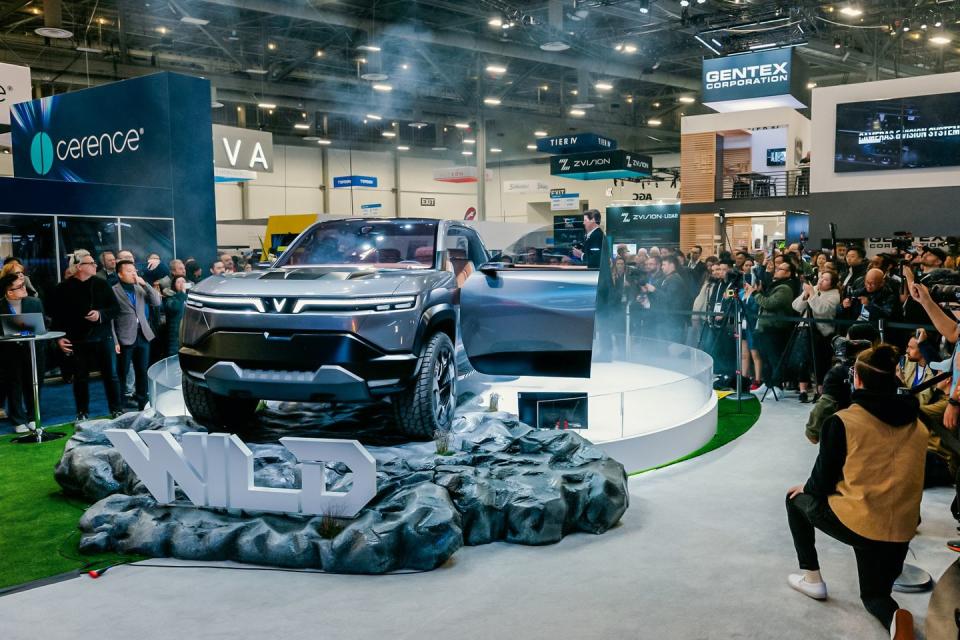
(138,354)
(771,344)
(99,354)
(878,563)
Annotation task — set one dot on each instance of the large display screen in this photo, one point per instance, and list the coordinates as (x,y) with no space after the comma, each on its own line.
(901,133)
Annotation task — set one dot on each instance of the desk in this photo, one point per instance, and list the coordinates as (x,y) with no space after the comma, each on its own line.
(37,434)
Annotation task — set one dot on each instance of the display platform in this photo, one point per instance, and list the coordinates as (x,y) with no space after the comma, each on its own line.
(494,480)
(648,405)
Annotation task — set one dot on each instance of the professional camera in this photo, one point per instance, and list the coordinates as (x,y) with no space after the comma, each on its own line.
(857,293)
(734,277)
(845,351)
(945,293)
(902,243)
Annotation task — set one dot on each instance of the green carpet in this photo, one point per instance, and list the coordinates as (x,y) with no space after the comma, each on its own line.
(730,426)
(38,524)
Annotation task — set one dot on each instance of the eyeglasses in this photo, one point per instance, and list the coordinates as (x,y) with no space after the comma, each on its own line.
(88,263)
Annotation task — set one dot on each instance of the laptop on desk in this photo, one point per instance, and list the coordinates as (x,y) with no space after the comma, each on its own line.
(23,324)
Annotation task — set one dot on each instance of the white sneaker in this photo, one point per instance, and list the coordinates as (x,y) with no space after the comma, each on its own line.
(815,590)
(760,390)
(21,428)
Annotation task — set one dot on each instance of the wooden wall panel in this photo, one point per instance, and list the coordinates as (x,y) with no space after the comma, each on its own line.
(698,167)
(698,228)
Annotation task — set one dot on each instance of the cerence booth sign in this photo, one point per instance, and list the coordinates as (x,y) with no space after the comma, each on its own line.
(760,80)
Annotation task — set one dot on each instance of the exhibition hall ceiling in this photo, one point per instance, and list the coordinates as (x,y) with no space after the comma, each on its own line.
(405,73)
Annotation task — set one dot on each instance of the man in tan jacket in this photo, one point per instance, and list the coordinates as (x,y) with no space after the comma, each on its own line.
(865,489)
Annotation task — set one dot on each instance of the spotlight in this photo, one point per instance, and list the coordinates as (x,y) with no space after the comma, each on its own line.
(644,6)
(837,44)
(905,25)
(495,22)
(684,3)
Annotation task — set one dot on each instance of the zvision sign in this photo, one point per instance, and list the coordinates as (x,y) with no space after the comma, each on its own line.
(576,143)
(647,225)
(774,78)
(115,134)
(603,165)
(216,470)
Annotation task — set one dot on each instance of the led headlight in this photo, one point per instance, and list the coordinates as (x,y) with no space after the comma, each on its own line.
(380,303)
(231,303)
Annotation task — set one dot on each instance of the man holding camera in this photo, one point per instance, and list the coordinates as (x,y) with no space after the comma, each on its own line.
(873,300)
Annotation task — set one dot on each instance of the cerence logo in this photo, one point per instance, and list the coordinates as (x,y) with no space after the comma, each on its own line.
(43,150)
(41,153)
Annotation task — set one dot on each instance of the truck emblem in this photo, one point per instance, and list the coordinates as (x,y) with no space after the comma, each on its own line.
(278,304)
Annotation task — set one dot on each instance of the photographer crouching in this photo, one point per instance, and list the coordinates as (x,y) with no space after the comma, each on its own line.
(865,488)
(872,300)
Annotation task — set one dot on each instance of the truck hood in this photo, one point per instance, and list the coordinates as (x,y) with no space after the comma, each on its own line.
(334,281)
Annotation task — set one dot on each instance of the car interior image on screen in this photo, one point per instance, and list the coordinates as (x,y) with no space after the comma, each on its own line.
(903,133)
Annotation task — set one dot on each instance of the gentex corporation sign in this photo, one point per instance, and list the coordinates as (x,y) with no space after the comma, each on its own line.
(114,134)
(757,80)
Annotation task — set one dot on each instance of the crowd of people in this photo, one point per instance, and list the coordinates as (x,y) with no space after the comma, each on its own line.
(118,316)
(860,338)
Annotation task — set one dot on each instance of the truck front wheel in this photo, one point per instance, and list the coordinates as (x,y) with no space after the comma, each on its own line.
(427,405)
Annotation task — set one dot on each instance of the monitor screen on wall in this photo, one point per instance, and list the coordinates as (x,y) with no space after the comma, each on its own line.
(900,133)
(776,157)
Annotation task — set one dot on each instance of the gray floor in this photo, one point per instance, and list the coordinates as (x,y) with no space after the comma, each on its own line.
(703,552)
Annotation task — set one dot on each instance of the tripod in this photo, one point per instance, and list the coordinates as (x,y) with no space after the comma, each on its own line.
(732,315)
(806,323)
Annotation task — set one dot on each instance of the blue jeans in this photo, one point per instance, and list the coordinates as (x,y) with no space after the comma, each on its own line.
(137,354)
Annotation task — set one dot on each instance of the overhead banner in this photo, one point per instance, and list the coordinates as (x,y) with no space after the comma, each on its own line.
(645,225)
(116,133)
(342,182)
(603,165)
(759,80)
(459,174)
(576,143)
(242,149)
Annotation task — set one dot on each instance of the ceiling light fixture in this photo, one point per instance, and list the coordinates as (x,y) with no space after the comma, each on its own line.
(629,48)
(89,50)
(162,31)
(302,126)
(765,45)
(439,149)
(369,47)
(541,134)
(811,85)
(578,112)
(374,77)
(373,116)
(388,134)
(853,12)
(656,105)
(905,25)
(495,22)
(266,105)
(272,46)
(466,153)
(418,125)
(318,54)
(405,66)
(495,150)
(495,68)
(324,141)
(200,22)
(687,99)
(603,86)
(644,6)
(531,147)
(837,44)
(654,122)
(554,46)
(491,101)
(257,71)
(403,147)
(941,39)
(469,141)
(461,125)
(382,87)
(684,3)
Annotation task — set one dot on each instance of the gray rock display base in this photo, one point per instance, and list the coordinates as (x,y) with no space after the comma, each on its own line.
(502,481)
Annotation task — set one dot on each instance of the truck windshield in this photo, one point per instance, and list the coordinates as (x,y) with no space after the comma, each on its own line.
(392,244)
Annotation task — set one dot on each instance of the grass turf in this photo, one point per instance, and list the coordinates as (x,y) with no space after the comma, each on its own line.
(38,524)
(730,426)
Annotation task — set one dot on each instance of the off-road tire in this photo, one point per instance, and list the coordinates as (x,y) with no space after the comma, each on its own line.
(427,405)
(216,412)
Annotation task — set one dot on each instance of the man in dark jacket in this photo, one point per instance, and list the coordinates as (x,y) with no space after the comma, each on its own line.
(856,269)
(83,307)
(135,298)
(16,372)
(773,328)
(865,489)
(593,243)
(673,298)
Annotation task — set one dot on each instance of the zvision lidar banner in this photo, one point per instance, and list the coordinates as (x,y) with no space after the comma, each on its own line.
(645,225)
(118,133)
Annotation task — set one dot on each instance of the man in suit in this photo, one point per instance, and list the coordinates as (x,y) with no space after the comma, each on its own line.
(593,243)
(132,325)
(16,373)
